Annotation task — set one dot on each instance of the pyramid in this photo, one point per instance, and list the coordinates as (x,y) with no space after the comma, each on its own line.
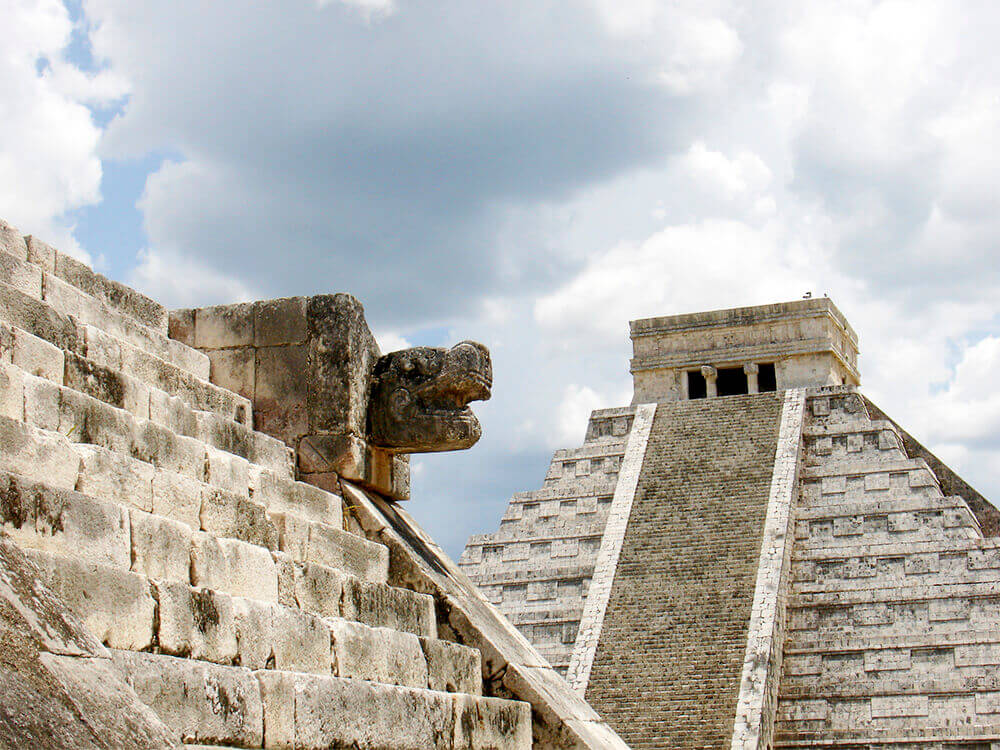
(203,545)
(780,564)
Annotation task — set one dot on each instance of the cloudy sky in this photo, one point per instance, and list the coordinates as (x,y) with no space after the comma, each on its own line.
(534,174)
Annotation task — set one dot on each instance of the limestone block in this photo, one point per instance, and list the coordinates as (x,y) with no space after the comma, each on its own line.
(38,357)
(281,321)
(115,478)
(283,495)
(172,413)
(233,369)
(281,405)
(68,300)
(203,702)
(487,723)
(452,668)
(238,568)
(40,253)
(224,327)
(12,241)
(86,420)
(176,496)
(277,691)
(255,632)
(165,450)
(379,605)
(377,654)
(104,350)
(286,568)
(115,605)
(318,589)
(335,548)
(198,623)
(281,638)
(885,707)
(226,514)
(11,393)
(301,642)
(115,295)
(227,472)
(44,518)
(35,317)
(35,454)
(6,343)
(161,547)
(41,403)
(293,535)
(180,326)
(22,276)
(334,712)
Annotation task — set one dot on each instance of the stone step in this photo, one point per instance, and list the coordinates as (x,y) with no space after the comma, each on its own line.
(86,419)
(208,703)
(812,670)
(892,592)
(848,533)
(61,313)
(816,429)
(860,466)
(878,445)
(202,623)
(231,531)
(878,505)
(44,258)
(106,382)
(914,683)
(969,644)
(816,735)
(836,408)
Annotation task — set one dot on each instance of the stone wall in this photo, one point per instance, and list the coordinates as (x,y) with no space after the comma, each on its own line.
(668,663)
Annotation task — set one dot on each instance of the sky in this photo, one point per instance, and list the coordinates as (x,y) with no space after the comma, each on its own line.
(534,174)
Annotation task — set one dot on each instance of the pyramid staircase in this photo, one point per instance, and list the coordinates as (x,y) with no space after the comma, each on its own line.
(893,621)
(234,598)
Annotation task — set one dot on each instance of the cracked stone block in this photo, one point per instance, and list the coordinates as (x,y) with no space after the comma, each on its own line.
(197,623)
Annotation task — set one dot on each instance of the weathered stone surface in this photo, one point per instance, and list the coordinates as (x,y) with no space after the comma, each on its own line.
(38,357)
(25,312)
(452,668)
(318,589)
(44,518)
(204,702)
(35,454)
(161,547)
(238,568)
(181,326)
(176,496)
(41,403)
(11,393)
(420,397)
(379,605)
(281,638)
(234,369)
(226,514)
(281,405)
(24,277)
(377,654)
(12,241)
(307,541)
(198,623)
(279,322)
(41,254)
(282,495)
(115,295)
(113,604)
(112,477)
(223,327)
(482,723)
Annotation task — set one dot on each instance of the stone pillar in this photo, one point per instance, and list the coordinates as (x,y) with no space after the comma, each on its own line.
(710,374)
(751,369)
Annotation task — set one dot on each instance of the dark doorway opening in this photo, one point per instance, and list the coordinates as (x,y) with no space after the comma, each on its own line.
(696,384)
(766,381)
(732,381)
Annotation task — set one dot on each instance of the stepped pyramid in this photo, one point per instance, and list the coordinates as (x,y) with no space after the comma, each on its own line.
(203,546)
(754,555)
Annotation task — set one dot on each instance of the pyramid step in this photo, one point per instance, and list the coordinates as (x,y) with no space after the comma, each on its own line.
(859,467)
(61,314)
(975,734)
(884,504)
(855,532)
(86,419)
(970,646)
(208,703)
(863,444)
(41,257)
(126,610)
(240,532)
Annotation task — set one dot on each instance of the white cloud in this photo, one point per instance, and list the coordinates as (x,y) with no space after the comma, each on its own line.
(177,280)
(390,341)
(369,8)
(48,140)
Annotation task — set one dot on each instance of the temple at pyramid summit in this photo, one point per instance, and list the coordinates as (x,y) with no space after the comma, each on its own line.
(752,554)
